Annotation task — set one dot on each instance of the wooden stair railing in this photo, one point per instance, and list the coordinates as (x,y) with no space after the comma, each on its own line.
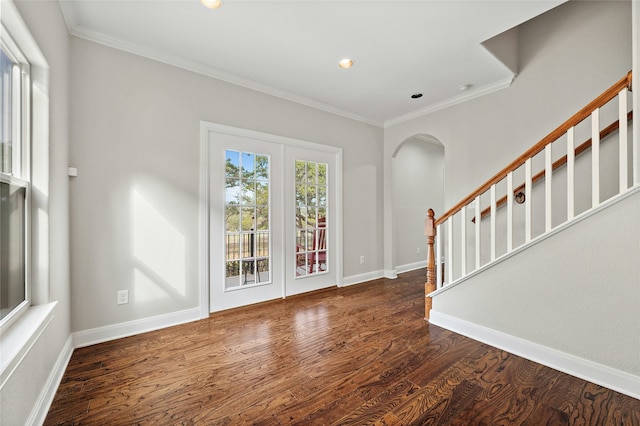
(556,165)
(551,137)
(431,223)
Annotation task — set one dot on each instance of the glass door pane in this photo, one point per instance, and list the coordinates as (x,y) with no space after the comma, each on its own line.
(247,232)
(311,218)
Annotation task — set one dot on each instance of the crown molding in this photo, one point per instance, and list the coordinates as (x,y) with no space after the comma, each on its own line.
(75,29)
(69,14)
(70,17)
(467,96)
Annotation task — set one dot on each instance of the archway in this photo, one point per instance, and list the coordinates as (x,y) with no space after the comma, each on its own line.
(417,185)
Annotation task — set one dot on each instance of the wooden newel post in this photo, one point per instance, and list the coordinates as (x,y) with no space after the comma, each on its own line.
(430,285)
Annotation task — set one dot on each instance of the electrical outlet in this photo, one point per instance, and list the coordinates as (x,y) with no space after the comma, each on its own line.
(418,250)
(123,297)
(362,260)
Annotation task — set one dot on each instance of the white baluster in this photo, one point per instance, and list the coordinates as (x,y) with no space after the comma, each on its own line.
(548,172)
(622,120)
(463,241)
(509,212)
(493,222)
(595,157)
(478,220)
(449,259)
(570,173)
(527,201)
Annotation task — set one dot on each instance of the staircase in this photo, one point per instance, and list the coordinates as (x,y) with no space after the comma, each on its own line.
(543,259)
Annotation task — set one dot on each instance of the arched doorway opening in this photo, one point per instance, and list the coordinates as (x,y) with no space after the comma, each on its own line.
(417,185)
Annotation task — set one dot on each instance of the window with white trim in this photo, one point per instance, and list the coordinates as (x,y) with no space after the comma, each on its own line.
(15,177)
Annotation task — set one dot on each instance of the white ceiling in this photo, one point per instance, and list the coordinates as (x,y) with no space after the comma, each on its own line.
(291,48)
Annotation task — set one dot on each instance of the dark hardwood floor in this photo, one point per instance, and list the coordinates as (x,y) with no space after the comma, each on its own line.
(361,355)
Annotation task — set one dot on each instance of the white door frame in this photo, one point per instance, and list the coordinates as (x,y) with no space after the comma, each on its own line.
(205,129)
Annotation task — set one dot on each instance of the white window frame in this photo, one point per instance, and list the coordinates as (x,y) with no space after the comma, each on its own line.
(20,174)
(22,332)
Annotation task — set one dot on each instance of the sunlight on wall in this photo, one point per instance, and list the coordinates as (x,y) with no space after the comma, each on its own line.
(159,254)
(40,188)
(147,289)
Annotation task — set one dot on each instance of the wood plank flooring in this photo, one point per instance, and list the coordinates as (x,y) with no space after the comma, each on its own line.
(361,355)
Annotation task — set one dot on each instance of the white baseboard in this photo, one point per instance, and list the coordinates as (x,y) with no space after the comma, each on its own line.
(391,274)
(360,278)
(411,266)
(602,375)
(125,329)
(41,408)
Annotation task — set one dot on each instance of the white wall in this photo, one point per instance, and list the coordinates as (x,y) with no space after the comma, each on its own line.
(135,141)
(418,173)
(26,394)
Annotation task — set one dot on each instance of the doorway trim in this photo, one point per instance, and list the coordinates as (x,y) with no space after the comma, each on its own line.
(205,206)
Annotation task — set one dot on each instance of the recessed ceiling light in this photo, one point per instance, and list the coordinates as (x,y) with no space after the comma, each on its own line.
(211,4)
(345,63)
(416,95)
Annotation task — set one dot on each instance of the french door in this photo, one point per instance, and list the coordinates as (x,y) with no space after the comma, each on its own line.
(272,217)
(311,220)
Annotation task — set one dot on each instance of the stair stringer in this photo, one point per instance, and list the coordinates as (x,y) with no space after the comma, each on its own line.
(570,301)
